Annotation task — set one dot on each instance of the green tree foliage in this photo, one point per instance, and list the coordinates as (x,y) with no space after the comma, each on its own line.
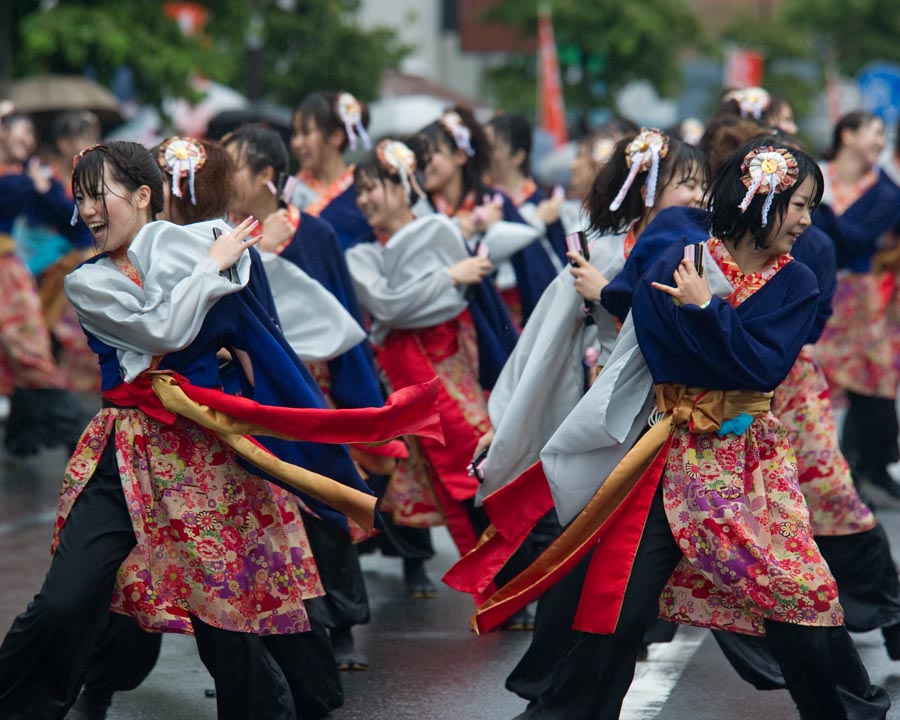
(855,32)
(306,45)
(603,45)
(74,37)
(317,46)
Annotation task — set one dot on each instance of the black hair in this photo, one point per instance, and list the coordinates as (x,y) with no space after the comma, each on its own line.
(321,109)
(515,130)
(259,147)
(851,121)
(436,135)
(681,161)
(621,125)
(8,121)
(728,221)
(130,164)
(75,123)
(776,105)
(368,167)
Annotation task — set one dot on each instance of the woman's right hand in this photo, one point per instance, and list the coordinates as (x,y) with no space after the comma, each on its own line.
(690,288)
(470,271)
(228,247)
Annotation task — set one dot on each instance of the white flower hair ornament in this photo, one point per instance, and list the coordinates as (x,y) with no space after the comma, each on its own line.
(399,161)
(181,157)
(461,135)
(751,101)
(769,171)
(643,155)
(349,110)
(603,150)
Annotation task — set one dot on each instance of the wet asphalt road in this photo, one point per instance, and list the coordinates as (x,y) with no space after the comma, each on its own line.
(426,663)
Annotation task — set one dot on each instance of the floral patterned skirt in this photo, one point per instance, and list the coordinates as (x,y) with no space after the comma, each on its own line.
(26,358)
(736,511)
(211,539)
(410,498)
(803,405)
(858,349)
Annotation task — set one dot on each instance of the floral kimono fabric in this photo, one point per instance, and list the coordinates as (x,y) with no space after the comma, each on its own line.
(211,539)
(803,405)
(736,510)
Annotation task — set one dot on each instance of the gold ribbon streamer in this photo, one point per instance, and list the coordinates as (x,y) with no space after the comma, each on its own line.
(703,409)
(7,244)
(357,505)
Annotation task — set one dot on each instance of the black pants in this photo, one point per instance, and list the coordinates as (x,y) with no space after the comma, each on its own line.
(45,655)
(346,602)
(869,591)
(869,436)
(127,654)
(824,674)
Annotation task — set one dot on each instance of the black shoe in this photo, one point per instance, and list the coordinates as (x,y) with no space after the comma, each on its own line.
(418,584)
(345,653)
(522,620)
(891,635)
(90,705)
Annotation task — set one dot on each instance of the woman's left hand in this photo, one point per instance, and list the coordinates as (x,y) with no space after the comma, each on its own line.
(589,281)
(229,247)
(690,288)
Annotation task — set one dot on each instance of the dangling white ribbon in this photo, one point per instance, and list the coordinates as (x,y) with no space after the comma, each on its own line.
(176,179)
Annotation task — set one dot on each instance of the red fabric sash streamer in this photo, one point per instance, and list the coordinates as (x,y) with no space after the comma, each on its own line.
(610,568)
(406,359)
(514,510)
(617,553)
(887,286)
(393,449)
(409,411)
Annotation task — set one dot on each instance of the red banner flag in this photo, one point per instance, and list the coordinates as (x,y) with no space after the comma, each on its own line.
(552,113)
(743,68)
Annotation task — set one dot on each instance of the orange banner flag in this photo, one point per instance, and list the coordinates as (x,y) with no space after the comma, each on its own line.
(552,113)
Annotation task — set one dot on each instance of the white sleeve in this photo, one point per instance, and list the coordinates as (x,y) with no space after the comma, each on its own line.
(505,239)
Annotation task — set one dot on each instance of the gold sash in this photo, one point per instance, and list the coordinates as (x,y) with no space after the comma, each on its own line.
(703,411)
(357,505)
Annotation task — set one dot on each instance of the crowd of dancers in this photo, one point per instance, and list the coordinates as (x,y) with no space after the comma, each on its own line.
(617,397)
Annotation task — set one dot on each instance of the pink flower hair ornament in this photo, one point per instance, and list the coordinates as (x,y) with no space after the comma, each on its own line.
(349,110)
(643,155)
(399,161)
(769,171)
(461,135)
(751,101)
(181,157)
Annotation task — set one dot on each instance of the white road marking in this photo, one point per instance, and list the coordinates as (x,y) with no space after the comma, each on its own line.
(655,678)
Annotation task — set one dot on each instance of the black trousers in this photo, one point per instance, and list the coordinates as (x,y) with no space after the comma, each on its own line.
(869,436)
(127,654)
(45,655)
(346,602)
(869,591)
(823,671)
